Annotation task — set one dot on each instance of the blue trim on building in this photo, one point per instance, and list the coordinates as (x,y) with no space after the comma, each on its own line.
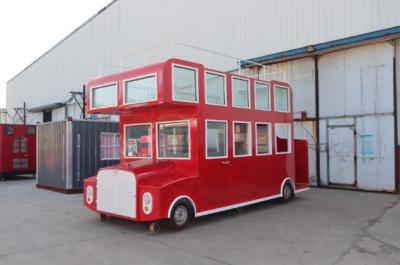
(325,45)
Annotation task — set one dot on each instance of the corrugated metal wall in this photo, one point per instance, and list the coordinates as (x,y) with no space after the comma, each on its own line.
(241,28)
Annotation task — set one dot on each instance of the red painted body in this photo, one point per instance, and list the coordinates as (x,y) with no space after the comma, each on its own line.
(17,149)
(211,184)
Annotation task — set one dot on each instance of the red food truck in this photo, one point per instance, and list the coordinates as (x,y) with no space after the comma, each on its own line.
(194,141)
(17,149)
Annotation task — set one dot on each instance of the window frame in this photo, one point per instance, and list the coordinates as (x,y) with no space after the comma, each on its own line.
(289,101)
(269,95)
(289,139)
(248,91)
(124,103)
(226,139)
(225,86)
(151,139)
(269,138)
(114,134)
(99,86)
(250,140)
(189,137)
(173,82)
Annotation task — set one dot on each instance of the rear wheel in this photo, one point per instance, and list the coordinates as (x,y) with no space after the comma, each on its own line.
(287,192)
(181,215)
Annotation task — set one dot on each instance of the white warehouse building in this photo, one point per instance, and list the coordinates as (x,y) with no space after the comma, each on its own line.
(341,57)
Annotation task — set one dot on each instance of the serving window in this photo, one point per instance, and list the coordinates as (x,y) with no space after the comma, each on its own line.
(142,89)
(241,139)
(216,134)
(138,140)
(184,84)
(263,138)
(173,140)
(262,96)
(281,99)
(215,89)
(282,138)
(241,92)
(104,96)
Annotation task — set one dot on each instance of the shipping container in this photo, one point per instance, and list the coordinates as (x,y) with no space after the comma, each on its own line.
(70,151)
(17,150)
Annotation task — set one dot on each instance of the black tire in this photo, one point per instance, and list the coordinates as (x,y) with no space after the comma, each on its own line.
(287,192)
(102,217)
(181,215)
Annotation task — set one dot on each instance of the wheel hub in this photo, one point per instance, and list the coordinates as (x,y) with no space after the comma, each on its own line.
(180,215)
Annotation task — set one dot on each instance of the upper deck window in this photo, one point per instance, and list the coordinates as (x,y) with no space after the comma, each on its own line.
(173,140)
(241,92)
(105,96)
(215,89)
(262,96)
(216,139)
(138,140)
(281,99)
(184,84)
(142,89)
(241,139)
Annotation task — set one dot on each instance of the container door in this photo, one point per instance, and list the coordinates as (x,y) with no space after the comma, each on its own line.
(341,155)
(20,157)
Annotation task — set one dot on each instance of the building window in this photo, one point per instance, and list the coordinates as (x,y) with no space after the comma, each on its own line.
(241,93)
(138,140)
(184,84)
(241,139)
(20,145)
(47,116)
(109,146)
(281,99)
(141,89)
(216,139)
(263,138)
(282,138)
(215,89)
(262,96)
(105,96)
(173,140)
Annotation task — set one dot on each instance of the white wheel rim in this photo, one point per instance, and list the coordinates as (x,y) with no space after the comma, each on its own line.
(180,215)
(287,191)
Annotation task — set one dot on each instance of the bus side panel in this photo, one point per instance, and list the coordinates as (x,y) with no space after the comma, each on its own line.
(301,158)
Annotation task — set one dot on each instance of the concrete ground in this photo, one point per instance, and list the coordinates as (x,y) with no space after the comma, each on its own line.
(321,226)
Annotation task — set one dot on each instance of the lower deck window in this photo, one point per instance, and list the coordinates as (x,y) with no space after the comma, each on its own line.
(138,140)
(216,139)
(173,140)
(109,146)
(263,135)
(283,138)
(242,139)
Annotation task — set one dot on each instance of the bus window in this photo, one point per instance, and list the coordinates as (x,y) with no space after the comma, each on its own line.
(241,93)
(138,140)
(262,96)
(173,140)
(216,139)
(184,84)
(142,89)
(283,135)
(215,89)
(104,96)
(242,139)
(263,138)
(281,99)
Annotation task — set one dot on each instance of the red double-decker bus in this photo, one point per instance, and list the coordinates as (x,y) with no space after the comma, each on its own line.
(194,141)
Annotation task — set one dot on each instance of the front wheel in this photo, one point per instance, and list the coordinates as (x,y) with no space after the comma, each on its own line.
(287,192)
(181,215)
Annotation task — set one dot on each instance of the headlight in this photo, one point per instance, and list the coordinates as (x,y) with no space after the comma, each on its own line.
(89,194)
(147,202)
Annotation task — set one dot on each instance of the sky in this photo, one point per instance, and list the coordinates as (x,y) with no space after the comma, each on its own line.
(30,28)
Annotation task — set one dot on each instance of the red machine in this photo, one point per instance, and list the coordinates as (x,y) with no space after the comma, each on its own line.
(17,149)
(194,141)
